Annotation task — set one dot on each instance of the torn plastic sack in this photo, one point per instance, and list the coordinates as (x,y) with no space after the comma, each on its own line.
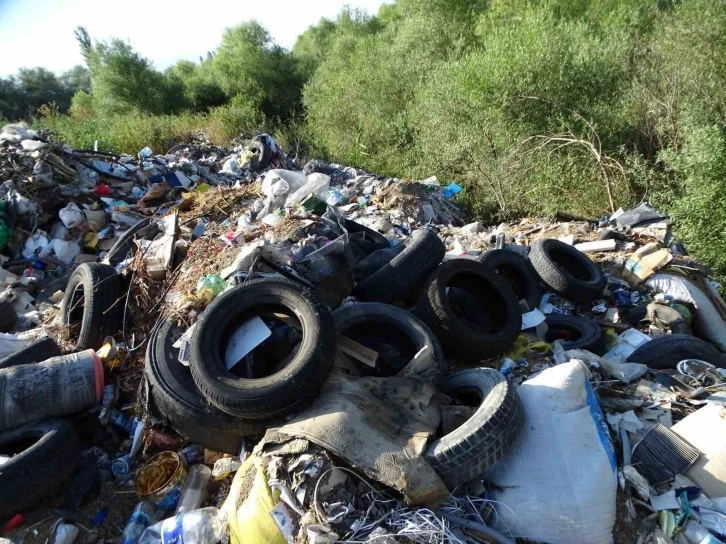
(387,447)
(707,321)
(641,215)
(247,507)
(550,497)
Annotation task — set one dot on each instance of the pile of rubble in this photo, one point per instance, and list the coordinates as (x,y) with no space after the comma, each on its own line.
(223,343)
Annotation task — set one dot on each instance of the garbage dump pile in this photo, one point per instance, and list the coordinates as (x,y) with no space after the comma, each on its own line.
(213,344)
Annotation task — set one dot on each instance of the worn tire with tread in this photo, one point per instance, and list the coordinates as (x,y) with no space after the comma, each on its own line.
(288,390)
(469,340)
(92,300)
(180,405)
(35,352)
(587,334)
(468,451)
(517,271)
(395,318)
(124,244)
(665,352)
(566,270)
(40,469)
(424,251)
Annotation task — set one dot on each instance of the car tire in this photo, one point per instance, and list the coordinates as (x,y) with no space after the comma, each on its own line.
(284,392)
(92,302)
(41,468)
(665,352)
(398,320)
(567,271)
(395,280)
(125,243)
(486,437)
(178,402)
(575,333)
(471,340)
(371,239)
(517,272)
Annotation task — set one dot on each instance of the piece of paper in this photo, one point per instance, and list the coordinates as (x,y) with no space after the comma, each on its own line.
(532,319)
(246,338)
(666,501)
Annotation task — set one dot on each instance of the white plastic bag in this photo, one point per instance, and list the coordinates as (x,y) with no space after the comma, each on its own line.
(706,319)
(317,184)
(71,215)
(559,480)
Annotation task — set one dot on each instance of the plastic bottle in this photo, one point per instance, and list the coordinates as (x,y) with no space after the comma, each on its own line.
(139,521)
(191,453)
(204,526)
(194,488)
(696,533)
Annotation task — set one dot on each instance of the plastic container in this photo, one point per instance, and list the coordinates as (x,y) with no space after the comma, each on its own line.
(194,488)
(204,526)
(139,521)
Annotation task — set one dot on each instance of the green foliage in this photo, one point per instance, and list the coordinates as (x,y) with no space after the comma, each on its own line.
(127,133)
(248,63)
(22,95)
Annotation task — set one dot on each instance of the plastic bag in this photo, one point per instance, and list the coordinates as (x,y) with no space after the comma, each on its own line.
(71,215)
(706,319)
(317,184)
(210,286)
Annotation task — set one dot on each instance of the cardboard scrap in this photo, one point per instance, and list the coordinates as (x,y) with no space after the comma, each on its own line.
(705,429)
(645,262)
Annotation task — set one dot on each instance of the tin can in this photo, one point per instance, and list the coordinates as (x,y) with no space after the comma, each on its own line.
(161,479)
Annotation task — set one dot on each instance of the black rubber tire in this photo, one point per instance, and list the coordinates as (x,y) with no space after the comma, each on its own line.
(40,469)
(35,352)
(567,271)
(517,272)
(394,281)
(582,333)
(287,391)
(665,352)
(371,241)
(120,250)
(94,289)
(263,161)
(486,437)
(178,402)
(8,315)
(398,320)
(470,340)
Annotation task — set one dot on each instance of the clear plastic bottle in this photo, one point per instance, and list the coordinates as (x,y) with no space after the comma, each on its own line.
(139,521)
(194,488)
(696,533)
(203,526)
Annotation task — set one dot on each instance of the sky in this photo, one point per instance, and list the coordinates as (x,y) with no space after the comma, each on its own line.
(40,32)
